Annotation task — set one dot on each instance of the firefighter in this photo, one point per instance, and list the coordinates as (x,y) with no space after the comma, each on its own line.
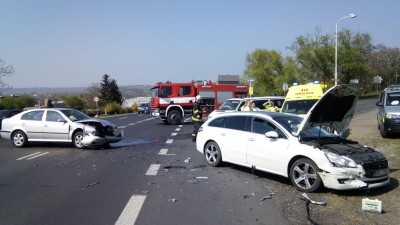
(197,117)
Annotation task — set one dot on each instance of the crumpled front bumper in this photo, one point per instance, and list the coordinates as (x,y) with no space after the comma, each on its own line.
(343,179)
(90,140)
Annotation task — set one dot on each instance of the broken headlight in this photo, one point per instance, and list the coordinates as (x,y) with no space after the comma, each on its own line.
(340,161)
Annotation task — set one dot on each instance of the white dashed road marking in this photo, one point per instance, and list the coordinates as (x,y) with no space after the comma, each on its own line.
(164,151)
(131,210)
(169,141)
(173,134)
(177,129)
(32,156)
(180,126)
(153,170)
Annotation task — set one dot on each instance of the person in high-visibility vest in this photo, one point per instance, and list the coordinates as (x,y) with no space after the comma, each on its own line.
(270,106)
(197,117)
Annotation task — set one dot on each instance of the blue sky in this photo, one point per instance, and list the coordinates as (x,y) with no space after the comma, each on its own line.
(73,43)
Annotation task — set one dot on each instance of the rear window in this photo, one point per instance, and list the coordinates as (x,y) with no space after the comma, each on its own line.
(230,122)
(33,115)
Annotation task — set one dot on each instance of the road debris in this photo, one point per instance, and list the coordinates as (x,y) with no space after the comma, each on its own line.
(187,160)
(89,185)
(308,201)
(173,200)
(268,196)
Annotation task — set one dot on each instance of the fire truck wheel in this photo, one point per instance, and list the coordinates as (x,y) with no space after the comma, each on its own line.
(174,117)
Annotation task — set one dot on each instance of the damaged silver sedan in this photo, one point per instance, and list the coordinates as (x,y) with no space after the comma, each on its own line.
(59,125)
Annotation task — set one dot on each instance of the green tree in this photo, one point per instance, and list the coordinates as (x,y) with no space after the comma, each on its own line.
(5,71)
(109,90)
(20,102)
(74,102)
(25,101)
(264,66)
(353,54)
(385,62)
(315,53)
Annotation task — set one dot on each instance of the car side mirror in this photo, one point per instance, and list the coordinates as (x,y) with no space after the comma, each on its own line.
(271,134)
(62,120)
(380,104)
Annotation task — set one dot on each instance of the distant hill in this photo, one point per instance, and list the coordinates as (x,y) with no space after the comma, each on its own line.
(128,91)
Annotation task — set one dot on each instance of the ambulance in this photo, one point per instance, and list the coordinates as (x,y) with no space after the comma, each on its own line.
(300,98)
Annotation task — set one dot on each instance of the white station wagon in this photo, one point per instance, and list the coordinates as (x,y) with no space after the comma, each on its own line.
(311,151)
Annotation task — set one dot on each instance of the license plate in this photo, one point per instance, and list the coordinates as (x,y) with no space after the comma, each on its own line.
(381,172)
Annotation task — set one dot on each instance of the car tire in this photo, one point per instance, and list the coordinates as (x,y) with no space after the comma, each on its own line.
(382,131)
(19,139)
(212,154)
(77,140)
(174,117)
(304,175)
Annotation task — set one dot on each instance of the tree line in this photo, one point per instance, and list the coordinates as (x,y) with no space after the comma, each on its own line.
(314,59)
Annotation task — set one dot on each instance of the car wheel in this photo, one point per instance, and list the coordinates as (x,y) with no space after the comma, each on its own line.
(19,139)
(212,153)
(174,117)
(304,175)
(384,134)
(77,140)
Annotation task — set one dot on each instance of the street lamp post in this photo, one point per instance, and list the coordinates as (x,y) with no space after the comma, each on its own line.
(351,15)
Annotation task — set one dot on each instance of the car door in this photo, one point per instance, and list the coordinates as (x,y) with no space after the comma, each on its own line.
(56,127)
(267,154)
(32,122)
(228,131)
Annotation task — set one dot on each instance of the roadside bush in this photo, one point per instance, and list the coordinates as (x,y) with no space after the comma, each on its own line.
(114,108)
(135,107)
(128,110)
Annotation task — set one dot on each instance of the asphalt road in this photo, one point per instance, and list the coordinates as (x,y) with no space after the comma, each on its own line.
(154,176)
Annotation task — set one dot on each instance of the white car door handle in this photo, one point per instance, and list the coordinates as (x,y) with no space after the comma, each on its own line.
(251,139)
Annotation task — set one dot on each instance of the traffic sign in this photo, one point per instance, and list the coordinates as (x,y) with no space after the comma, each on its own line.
(95,98)
(285,87)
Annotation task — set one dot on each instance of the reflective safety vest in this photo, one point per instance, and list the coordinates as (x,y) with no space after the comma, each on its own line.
(197,112)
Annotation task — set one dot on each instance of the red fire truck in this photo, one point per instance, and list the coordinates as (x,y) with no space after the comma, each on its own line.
(172,102)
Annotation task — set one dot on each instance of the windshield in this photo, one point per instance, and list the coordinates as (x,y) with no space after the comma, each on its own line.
(229,105)
(393,99)
(298,106)
(74,115)
(154,92)
(290,123)
(316,133)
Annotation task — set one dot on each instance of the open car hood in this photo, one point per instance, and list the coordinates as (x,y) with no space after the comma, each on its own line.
(334,109)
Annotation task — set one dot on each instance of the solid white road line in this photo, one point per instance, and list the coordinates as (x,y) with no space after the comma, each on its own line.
(169,141)
(164,151)
(44,153)
(29,155)
(153,170)
(174,134)
(131,210)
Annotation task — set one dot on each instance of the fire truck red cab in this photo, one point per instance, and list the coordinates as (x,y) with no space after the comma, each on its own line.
(172,102)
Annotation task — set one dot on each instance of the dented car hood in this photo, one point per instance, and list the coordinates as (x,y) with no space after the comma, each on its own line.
(335,109)
(105,123)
